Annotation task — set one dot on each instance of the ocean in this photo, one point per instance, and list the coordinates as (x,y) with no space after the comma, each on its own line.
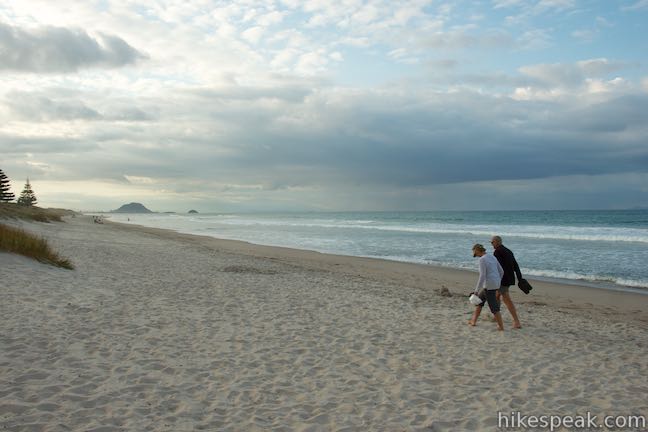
(603,249)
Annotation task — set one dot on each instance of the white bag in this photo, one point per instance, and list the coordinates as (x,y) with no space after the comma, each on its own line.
(475,300)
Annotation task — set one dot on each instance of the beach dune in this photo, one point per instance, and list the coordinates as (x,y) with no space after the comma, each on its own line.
(159,331)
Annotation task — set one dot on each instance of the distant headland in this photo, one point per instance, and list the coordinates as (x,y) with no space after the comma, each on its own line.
(132,208)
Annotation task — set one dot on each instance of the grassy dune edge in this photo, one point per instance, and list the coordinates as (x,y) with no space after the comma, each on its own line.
(33,213)
(21,242)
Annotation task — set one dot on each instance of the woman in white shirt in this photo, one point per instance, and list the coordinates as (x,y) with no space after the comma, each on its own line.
(490,278)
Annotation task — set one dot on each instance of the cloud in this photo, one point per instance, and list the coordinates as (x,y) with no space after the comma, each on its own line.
(40,108)
(498,4)
(555,75)
(555,4)
(463,39)
(585,35)
(64,105)
(599,67)
(321,104)
(46,145)
(380,138)
(279,89)
(569,75)
(534,39)
(639,5)
(531,8)
(60,50)
(253,34)
(387,137)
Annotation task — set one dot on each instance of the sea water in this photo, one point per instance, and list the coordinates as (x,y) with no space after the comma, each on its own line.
(606,249)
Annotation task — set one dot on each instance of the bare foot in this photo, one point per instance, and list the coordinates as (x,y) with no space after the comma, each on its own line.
(471,323)
(517,326)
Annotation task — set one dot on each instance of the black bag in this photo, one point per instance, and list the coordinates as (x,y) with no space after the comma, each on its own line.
(525,286)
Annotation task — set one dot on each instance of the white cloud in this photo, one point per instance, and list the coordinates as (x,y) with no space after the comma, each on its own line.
(313,62)
(534,94)
(358,42)
(337,56)
(599,67)
(283,60)
(365,15)
(565,76)
(584,35)
(603,22)
(498,4)
(319,20)
(639,5)
(644,84)
(140,180)
(535,39)
(253,34)
(271,18)
(557,75)
(602,86)
(556,4)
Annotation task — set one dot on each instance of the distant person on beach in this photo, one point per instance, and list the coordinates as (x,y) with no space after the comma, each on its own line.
(490,277)
(511,269)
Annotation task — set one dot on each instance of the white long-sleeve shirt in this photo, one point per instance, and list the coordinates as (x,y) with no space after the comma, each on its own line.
(490,273)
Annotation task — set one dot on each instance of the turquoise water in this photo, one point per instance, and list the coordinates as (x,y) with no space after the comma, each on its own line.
(608,249)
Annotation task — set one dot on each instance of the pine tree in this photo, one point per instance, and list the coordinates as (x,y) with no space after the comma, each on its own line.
(5,192)
(27,197)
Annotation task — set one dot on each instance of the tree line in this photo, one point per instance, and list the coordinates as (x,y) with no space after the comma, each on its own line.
(27,196)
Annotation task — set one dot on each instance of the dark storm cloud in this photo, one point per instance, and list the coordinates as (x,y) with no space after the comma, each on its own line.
(458,138)
(57,49)
(617,115)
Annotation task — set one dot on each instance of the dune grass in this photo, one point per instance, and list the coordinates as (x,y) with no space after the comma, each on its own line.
(15,240)
(21,242)
(33,213)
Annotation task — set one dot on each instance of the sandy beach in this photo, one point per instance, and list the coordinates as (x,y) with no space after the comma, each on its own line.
(160,331)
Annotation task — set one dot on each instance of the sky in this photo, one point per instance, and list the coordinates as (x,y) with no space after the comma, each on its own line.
(287,105)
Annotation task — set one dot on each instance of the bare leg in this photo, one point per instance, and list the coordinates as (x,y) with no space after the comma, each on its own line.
(511,308)
(498,320)
(473,321)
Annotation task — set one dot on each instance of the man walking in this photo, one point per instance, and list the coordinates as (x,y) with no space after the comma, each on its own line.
(511,269)
(490,277)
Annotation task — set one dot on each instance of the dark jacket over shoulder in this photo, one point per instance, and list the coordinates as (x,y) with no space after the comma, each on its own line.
(509,264)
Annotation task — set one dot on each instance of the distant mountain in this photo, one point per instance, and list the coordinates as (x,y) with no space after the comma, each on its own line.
(192,211)
(132,208)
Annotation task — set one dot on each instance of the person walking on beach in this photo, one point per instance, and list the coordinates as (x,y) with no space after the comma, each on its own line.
(511,269)
(490,277)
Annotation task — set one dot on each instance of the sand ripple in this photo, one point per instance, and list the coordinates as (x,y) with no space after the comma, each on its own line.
(156,333)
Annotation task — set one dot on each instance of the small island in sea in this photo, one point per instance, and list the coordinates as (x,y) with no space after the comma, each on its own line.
(192,212)
(132,208)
